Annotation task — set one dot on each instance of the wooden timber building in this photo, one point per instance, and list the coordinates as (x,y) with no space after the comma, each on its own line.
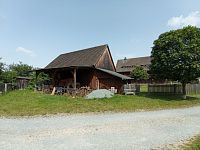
(125,66)
(91,67)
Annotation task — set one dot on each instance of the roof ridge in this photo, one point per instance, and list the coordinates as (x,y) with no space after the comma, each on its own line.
(84,49)
(86,57)
(134,58)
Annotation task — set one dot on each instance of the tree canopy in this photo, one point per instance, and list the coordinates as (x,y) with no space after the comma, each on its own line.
(21,69)
(176,55)
(8,73)
(139,73)
(1,70)
(41,79)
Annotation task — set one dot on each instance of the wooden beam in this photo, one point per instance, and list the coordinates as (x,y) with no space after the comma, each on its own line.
(74,78)
(97,80)
(36,80)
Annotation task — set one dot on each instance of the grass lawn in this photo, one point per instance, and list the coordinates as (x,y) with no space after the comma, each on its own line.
(25,102)
(143,87)
(193,145)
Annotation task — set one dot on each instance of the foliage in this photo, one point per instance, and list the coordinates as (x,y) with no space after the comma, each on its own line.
(9,73)
(176,55)
(41,79)
(21,69)
(25,102)
(139,73)
(143,87)
(2,67)
(194,144)
(9,76)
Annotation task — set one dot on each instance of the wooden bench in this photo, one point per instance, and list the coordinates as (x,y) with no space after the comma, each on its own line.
(129,89)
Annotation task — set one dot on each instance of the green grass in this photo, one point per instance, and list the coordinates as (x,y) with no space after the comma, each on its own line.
(143,87)
(193,144)
(24,102)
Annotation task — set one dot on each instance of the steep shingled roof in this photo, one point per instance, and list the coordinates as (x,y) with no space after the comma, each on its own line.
(81,58)
(127,65)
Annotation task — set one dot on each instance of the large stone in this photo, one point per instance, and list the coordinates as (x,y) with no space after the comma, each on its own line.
(101,93)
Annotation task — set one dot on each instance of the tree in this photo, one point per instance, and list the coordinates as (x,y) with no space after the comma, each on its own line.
(9,76)
(21,69)
(41,79)
(2,65)
(8,73)
(139,73)
(176,56)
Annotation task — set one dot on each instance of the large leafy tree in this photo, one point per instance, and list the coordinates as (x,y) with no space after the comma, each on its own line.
(176,56)
(2,68)
(8,73)
(41,79)
(21,69)
(139,73)
(9,76)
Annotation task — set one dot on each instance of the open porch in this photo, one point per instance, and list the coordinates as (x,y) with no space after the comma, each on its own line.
(82,80)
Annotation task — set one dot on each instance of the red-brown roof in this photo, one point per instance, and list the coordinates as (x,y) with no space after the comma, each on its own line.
(81,58)
(127,65)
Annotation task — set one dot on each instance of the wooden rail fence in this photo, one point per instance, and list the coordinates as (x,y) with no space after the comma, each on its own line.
(173,88)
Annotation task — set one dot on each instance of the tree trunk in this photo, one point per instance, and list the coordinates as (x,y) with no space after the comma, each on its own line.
(184,90)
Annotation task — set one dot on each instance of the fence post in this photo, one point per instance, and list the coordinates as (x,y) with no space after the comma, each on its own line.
(174,89)
(6,87)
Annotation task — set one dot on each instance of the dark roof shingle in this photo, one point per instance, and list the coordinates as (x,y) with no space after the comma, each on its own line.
(127,65)
(81,58)
(123,77)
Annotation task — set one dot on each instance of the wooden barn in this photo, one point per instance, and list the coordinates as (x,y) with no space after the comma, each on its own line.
(92,68)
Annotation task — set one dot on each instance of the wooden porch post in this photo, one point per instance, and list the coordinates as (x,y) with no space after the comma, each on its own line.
(36,80)
(75,79)
(97,83)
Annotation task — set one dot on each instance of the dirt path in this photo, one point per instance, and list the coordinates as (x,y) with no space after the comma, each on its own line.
(137,130)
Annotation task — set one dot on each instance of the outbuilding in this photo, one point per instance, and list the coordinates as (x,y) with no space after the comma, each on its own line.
(92,67)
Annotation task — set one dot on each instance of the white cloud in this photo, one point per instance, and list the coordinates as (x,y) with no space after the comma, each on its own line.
(26,51)
(192,19)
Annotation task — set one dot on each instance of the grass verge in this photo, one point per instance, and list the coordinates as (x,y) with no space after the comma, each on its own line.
(194,144)
(28,103)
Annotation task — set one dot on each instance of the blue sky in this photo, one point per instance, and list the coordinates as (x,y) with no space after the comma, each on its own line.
(37,31)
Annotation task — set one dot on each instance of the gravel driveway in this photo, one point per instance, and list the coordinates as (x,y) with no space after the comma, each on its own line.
(132,130)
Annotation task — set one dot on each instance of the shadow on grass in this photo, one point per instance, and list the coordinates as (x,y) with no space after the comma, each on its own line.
(166,96)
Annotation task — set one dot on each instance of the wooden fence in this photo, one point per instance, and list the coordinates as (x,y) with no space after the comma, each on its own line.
(193,88)
(173,88)
(5,87)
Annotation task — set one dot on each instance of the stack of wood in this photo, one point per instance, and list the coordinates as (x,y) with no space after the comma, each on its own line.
(83,91)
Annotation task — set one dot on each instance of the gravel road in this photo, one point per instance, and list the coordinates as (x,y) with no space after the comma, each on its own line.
(132,130)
